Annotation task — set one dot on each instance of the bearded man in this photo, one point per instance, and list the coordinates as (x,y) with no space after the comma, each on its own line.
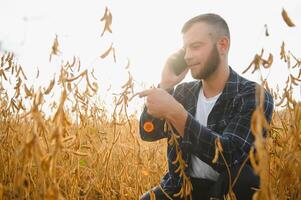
(218,104)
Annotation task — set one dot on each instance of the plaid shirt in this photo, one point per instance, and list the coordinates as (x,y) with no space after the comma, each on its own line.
(229,120)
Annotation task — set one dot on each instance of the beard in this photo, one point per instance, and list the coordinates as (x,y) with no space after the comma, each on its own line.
(210,65)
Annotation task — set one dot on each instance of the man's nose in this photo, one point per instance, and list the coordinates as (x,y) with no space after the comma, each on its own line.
(188,56)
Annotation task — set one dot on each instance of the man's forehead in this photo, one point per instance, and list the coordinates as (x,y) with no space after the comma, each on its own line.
(191,39)
(199,30)
(200,27)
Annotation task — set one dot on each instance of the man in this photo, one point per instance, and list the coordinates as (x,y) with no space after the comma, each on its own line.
(218,105)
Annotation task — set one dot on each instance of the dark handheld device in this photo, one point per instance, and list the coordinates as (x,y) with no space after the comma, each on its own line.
(178,63)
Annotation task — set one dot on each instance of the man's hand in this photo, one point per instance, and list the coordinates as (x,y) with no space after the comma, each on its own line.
(168,78)
(160,104)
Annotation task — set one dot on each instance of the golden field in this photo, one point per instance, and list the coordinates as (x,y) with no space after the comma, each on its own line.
(78,150)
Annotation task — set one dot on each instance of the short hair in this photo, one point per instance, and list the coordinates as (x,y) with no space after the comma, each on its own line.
(215,21)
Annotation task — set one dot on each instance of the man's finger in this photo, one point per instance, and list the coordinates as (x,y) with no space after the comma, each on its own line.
(144,93)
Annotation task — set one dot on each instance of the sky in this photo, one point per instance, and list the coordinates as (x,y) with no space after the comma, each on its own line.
(145,32)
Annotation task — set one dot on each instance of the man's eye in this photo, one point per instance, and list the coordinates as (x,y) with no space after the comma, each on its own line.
(195,46)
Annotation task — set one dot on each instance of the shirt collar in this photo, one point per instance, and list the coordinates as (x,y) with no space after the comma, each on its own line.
(231,87)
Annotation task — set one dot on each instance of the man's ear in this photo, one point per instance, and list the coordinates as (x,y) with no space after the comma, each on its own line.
(223,45)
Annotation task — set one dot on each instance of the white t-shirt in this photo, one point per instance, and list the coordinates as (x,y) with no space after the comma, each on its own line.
(198,168)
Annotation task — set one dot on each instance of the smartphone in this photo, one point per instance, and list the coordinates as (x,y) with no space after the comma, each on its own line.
(178,63)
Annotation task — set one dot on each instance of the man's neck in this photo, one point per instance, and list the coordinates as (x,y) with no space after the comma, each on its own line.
(215,84)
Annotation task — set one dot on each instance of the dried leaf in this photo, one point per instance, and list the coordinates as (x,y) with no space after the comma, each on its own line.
(27,91)
(106,53)
(55,48)
(128,64)
(38,73)
(48,90)
(266,30)
(282,52)
(286,18)
(107,17)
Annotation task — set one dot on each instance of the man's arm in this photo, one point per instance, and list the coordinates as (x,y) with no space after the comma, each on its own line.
(168,81)
(236,138)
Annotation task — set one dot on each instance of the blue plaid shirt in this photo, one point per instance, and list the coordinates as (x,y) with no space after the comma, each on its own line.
(229,120)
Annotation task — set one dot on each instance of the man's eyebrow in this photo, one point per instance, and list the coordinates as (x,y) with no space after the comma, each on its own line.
(193,43)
